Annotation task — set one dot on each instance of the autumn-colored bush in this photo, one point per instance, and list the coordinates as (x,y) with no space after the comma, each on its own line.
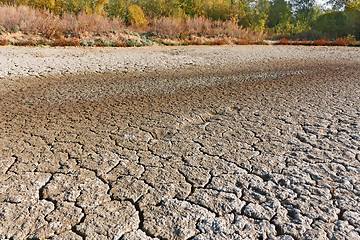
(194,41)
(62,42)
(3,42)
(206,27)
(218,41)
(119,44)
(339,42)
(296,42)
(73,42)
(82,28)
(306,42)
(243,41)
(29,20)
(321,42)
(284,41)
(63,29)
(350,39)
(34,21)
(136,16)
(84,23)
(199,26)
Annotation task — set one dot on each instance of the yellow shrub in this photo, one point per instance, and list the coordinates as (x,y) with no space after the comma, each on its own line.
(43,4)
(136,15)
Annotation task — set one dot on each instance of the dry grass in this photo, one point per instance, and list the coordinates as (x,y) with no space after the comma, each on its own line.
(33,21)
(166,27)
(83,23)
(23,25)
(28,20)
(199,26)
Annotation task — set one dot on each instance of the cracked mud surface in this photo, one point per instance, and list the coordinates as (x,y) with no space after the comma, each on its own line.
(239,151)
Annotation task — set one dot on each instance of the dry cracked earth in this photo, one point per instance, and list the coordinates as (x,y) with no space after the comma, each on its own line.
(233,152)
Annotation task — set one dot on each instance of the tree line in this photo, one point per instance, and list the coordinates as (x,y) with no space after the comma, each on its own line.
(293,18)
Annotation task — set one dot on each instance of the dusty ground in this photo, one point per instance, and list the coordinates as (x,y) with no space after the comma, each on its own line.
(180,143)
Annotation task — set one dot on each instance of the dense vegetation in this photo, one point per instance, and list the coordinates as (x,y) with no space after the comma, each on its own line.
(277,18)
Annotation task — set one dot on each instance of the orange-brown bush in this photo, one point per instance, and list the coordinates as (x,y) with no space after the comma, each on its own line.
(296,42)
(73,42)
(216,41)
(84,23)
(166,26)
(3,42)
(243,41)
(306,42)
(29,20)
(321,42)
(219,41)
(339,42)
(351,42)
(119,44)
(284,41)
(62,42)
(203,26)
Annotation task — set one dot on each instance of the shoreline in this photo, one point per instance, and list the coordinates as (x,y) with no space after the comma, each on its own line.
(43,62)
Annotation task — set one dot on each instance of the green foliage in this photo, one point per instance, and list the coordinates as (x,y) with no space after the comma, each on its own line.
(89,6)
(352,11)
(217,9)
(331,23)
(280,14)
(117,8)
(258,16)
(340,23)
(192,8)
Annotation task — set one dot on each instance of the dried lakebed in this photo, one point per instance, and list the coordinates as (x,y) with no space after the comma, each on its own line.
(237,151)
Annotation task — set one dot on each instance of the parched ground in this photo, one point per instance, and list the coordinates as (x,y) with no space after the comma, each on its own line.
(226,142)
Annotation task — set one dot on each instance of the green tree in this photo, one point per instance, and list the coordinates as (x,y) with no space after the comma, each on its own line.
(217,9)
(338,4)
(279,13)
(352,11)
(331,24)
(117,8)
(306,11)
(192,8)
(259,15)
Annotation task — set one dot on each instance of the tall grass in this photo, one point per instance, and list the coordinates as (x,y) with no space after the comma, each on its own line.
(34,21)
(199,26)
